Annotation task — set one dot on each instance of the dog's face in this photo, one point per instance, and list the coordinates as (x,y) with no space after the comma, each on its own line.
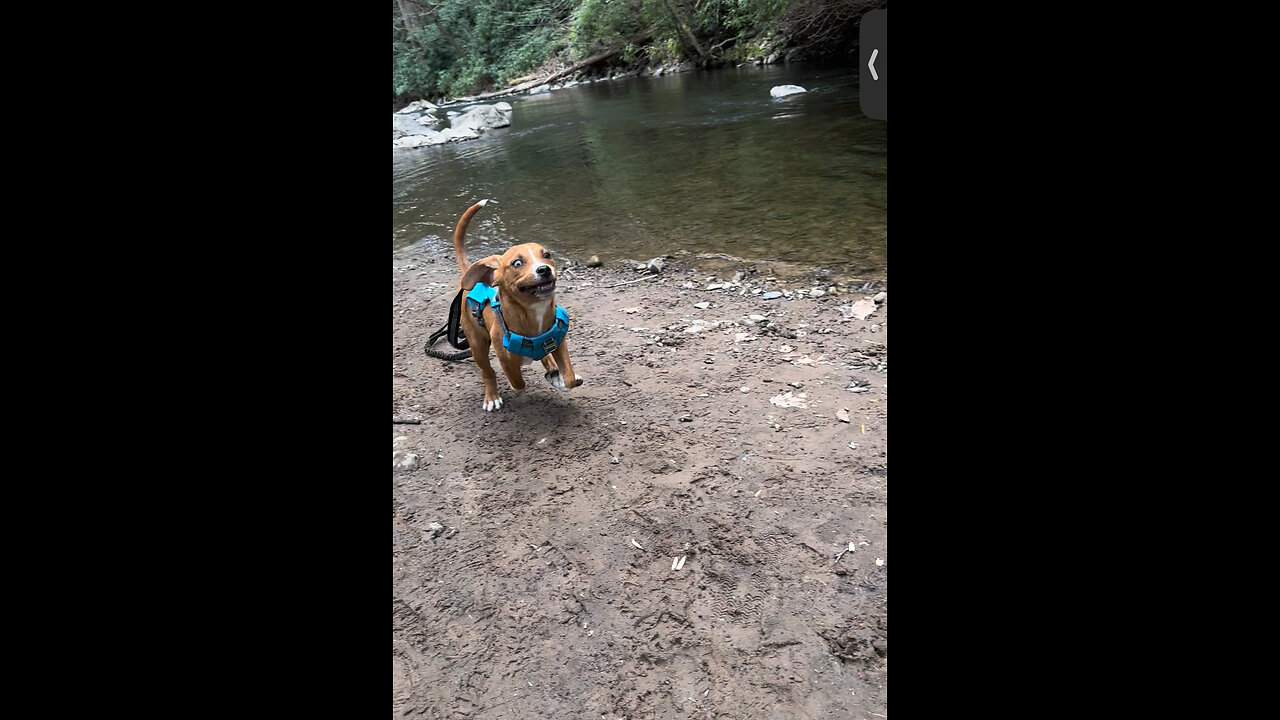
(524,272)
(527,270)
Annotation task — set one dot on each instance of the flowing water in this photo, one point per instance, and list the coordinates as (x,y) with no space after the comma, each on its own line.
(702,161)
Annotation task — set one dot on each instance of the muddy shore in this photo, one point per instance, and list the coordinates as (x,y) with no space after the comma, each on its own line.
(533,547)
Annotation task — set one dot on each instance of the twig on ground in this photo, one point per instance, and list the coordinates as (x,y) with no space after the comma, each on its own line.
(646,277)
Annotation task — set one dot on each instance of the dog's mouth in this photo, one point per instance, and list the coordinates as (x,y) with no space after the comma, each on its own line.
(541,290)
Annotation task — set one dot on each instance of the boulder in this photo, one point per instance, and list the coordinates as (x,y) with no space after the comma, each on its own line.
(456,133)
(407,125)
(462,126)
(483,117)
(416,141)
(415,106)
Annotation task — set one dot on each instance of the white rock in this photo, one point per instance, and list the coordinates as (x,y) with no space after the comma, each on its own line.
(862,309)
(784,90)
(788,400)
(401,460)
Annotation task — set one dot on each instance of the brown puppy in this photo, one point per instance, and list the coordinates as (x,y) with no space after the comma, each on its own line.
(525,278)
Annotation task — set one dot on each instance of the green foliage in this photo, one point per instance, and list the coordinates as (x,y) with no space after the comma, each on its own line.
(598,24)
(463,47)
(751,17)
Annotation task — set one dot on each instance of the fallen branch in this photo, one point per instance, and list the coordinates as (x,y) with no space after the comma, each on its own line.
(607,55)
(646,277)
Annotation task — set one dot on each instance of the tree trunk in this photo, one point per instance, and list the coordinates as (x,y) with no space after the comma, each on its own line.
(409,14)
(414,9)
(702,54)
(435,15)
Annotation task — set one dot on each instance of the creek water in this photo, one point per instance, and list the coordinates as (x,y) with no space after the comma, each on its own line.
(701,161)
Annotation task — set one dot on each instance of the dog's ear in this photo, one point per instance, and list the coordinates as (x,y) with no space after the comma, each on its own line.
(481,272)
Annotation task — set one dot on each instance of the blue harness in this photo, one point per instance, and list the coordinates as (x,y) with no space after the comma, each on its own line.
(535,347)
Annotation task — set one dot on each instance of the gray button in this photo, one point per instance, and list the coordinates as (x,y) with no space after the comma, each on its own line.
(873,56)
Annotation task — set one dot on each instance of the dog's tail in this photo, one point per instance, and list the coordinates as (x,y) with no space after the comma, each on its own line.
(460,232)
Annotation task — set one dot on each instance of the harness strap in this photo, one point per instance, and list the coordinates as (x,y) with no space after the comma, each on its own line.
(456,338)
(536,347)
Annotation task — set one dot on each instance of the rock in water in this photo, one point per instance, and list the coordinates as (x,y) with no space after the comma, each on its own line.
(785,90)
(481,118)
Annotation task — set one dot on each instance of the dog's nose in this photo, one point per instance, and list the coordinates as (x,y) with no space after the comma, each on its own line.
(544,270)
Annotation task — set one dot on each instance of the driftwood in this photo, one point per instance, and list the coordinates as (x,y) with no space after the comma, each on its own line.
(606,55)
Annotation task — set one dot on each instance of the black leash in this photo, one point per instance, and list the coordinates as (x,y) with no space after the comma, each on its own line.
(451,329)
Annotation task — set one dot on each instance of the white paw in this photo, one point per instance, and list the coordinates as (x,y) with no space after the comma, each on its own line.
(491,405)
(553,377)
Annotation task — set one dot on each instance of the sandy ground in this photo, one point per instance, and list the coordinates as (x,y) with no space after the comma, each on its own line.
(532,547)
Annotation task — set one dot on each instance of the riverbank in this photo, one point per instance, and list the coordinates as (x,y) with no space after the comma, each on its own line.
(456,49)
(738,436)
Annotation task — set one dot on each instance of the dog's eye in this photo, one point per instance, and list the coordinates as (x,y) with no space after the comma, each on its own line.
(546,255)
(517,263)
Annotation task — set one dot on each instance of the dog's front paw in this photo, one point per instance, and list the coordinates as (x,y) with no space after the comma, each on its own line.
(557,382)
(491,405)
